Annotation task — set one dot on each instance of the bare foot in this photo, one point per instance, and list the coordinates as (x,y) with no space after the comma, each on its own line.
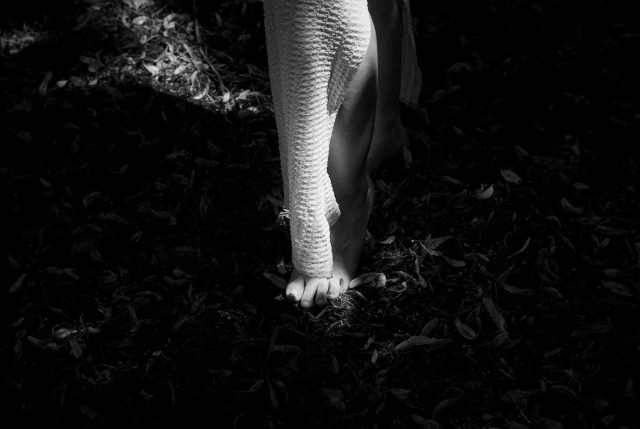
(347,240)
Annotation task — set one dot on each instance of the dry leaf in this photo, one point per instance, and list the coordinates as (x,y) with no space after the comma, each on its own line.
(364,279)
(278,281)
(154,70)
(419,341)
(458,67)
(517,291)
(14,287)
(496,316)
(617,288)
(426,423)
(564,391)
(485,194)
(454,262)
(522,249)
(510,176)
(444,407)
(390,239)
(429,327)
(569,207)
(432,243)
(465,330)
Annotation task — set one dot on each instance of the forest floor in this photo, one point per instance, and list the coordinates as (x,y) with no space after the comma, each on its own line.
(143,253)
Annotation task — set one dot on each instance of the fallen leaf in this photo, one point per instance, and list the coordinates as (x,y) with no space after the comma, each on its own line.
(429,327)
(154,70)
(364,279)
(14,287)
(518,397)
(454,262)
(538,9)
(577,99)
(285,348)
(522,249)
(278,281)
(426,423)
(334,397)
(197,302)
(452,180)
(617,288)
(115,218)
(546,423)
(388,240)
(62,333)
(564,391)
(517,291)
(400,393)
(499,339)
(458,67)
(459,132)
(607,230)
(255,386)
(485,194)
(510,176)
(13,263)
(272,395)
(465,330)
(42,89)
(514,425)
(444,407)
(76,348)
(475,256)
(496,316)
(504,276)
(420,341)
(520,151)
(432,243)
(552,291)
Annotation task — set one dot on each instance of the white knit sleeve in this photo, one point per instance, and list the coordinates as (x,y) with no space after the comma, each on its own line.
(310,43)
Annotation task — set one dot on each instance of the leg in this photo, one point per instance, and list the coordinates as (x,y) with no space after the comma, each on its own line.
(389,135)
(352,186)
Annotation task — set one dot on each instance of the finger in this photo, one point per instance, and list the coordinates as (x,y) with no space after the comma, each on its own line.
(295,286)
(321,293)
(310,289)
(334,288)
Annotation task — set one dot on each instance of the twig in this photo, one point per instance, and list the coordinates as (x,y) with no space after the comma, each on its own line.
(206,58)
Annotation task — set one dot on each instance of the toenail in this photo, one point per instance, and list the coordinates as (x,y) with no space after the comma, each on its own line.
(321,302)
(305,303)
(292,297)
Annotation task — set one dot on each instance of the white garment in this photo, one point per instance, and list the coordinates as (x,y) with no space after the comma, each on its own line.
(315,48)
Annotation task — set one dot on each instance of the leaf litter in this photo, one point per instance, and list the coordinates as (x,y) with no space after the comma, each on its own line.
(134,173)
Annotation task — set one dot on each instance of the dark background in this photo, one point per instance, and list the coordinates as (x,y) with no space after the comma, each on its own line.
(139,198)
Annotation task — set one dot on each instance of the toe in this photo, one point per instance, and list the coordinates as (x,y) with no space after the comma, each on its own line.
(295,287)
(321,292)
(309,292)
(334,288)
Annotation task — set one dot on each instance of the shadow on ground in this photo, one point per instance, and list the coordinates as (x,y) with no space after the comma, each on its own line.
(139,187)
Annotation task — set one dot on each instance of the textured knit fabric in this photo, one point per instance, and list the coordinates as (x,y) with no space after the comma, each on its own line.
(315,48)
